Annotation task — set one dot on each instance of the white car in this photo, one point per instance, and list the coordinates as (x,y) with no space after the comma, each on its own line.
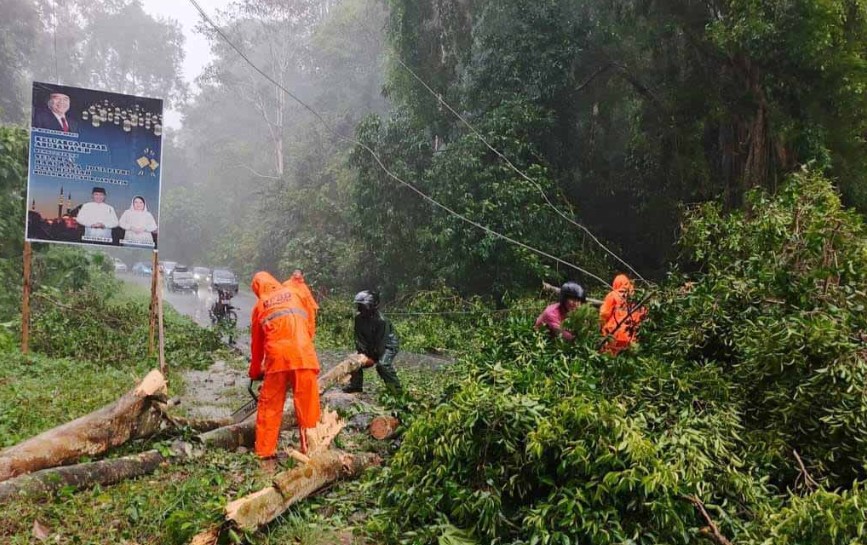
(119,266)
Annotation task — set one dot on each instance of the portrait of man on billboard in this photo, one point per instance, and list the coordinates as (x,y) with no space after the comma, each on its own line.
(97,217)
(54,114)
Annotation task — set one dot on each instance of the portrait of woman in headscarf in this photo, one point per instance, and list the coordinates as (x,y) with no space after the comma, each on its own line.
(138,224)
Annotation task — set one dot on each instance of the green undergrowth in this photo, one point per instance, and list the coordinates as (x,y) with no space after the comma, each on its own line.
(39,392)
(438,321)
(745,365)
(91,325)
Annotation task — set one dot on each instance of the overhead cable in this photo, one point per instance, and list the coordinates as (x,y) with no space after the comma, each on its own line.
(378,160)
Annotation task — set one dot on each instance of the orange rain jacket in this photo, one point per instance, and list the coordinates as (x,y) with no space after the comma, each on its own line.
(279,325)
(615,316)
(307,301)
(283,354)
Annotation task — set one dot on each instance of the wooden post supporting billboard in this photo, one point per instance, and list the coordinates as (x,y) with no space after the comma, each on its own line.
(155,270)
(25,303)
(161,332)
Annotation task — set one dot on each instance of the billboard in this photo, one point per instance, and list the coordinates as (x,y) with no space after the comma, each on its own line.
(95,167)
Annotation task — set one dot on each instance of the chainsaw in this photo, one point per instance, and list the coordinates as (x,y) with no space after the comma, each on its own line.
(247,409)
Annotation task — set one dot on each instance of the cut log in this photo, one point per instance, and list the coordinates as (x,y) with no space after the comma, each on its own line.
(336,373)
(197,424)
(260,508)
(383,427)
(107,472)
(130,417)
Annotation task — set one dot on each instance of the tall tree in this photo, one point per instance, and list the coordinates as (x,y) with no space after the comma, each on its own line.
(115,46)
(652,103)
(19,32)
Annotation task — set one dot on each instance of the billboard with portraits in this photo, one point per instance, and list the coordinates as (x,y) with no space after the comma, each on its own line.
(95,167)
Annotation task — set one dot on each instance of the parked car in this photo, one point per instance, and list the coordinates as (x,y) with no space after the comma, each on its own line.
(224,280)
(166,267)
(181,279)
(119,266)
(202,275)
(142,269)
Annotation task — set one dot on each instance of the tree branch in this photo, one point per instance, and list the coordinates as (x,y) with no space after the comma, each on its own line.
(711,531)
(260,175)
(810,483)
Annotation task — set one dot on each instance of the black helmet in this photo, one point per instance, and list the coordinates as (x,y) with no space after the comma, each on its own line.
(368,300)
(571,290)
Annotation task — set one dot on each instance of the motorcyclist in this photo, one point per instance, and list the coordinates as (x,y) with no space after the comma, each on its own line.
(571,297)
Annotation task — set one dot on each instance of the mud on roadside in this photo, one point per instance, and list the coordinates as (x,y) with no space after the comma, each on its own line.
(217,391)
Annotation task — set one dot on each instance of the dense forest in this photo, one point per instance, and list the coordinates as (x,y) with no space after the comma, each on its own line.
(615,115)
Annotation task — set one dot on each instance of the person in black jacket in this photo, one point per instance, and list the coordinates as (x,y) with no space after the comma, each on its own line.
(376,340)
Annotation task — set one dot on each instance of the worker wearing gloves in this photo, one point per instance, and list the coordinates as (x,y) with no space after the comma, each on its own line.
(376,341)
(571,297)
(618,318)
(283,354)
(296,283)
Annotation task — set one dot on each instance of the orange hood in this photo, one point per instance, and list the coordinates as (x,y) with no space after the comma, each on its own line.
(622,284)
(264,283)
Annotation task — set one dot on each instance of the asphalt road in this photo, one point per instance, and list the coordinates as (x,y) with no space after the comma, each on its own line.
(196,305)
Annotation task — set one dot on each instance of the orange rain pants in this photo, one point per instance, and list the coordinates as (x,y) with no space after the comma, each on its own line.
(272,397)
(283,353)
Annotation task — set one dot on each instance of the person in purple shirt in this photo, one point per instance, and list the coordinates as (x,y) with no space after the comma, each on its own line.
(571,297)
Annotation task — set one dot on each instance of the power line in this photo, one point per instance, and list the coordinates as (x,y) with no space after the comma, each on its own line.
(511,165)
(376,157)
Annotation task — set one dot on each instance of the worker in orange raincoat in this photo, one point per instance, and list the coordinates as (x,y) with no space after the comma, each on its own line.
(619,319)
(296,282)
(282,353)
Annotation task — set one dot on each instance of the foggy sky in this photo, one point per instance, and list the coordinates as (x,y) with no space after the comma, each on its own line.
(197,51)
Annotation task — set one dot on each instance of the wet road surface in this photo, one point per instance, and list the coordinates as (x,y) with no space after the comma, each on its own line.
(196,304)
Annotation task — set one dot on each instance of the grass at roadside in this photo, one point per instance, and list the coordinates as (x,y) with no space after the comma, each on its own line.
(81,374)
(179,500)
(38,392)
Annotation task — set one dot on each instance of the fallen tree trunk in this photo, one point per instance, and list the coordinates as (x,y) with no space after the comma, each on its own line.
(107,472)
(197,424)
(556,291)
(260,508)
(321,468)
(131,416)
(331,377)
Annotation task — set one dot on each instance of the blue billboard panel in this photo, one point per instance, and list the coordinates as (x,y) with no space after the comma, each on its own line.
(95,167)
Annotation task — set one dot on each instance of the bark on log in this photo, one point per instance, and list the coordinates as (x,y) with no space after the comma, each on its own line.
(260,508)
(556,291)
(197,424)
(331,377)
(129,417)
(383,427)
(107,472)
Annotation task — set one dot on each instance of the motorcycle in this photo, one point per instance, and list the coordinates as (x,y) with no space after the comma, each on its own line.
(223,314)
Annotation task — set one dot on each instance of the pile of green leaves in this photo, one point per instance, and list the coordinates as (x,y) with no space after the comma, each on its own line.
(759,356)
(90,325)
(435,321)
